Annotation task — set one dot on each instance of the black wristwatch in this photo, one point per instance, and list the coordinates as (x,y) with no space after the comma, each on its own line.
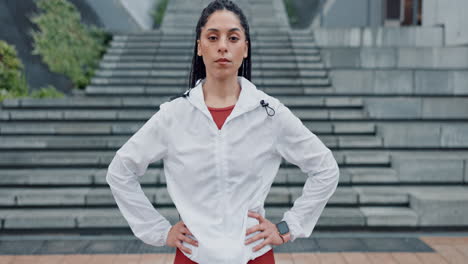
(283,229)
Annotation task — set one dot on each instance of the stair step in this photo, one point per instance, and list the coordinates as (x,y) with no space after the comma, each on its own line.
(113,142)
(183,74)
(368,158)
(350,175)
(177,52)
(263,66)
(90,176)
(152,103)
(129,128)
(102,196)
(187,58)
(53,177)
(370,182)
(143,115)
(142,91)
(165,81)
(101,158)
(390,216)
(189,43)
(278,37)
(68,218)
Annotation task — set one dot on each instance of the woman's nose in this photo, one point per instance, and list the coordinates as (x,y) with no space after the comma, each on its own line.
(222,46)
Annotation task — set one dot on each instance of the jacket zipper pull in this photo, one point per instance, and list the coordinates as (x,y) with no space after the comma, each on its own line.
(265,104)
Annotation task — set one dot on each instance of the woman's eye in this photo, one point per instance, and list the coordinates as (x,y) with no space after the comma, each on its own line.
(214,38)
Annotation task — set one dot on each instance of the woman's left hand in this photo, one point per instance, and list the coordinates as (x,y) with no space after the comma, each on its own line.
(269,232)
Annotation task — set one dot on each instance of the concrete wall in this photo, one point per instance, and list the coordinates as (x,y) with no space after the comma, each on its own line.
(393,57)
(449,15)
(124,16)
(356,13)
(379,36)
(452,15)
(141,10)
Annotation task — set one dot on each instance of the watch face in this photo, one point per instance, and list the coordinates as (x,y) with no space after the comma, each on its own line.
(282,227)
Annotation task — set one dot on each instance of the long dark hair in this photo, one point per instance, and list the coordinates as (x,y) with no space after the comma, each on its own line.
(198,70)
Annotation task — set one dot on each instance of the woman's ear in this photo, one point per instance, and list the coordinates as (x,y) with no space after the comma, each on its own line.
(198,48)
(246,53)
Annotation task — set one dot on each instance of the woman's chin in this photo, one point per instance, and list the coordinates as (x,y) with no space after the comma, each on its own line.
(224,74)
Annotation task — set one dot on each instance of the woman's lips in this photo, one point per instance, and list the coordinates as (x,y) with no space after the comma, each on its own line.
(223,61)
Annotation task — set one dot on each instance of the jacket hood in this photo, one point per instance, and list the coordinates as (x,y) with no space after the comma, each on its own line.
(248,100)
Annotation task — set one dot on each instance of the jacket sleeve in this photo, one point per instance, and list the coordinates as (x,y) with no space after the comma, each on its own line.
(130,162)
(299,146)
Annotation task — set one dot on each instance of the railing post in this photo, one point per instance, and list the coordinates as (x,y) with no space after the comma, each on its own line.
(415,12)
(322,3)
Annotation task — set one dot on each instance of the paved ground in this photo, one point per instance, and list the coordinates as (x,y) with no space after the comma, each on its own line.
(323,248)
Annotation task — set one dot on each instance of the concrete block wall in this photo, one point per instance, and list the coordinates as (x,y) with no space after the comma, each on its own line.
(452,15)
(395,57)
(379,36)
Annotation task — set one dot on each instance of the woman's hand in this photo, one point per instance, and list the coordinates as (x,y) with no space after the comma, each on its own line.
(269,232)
(177,234)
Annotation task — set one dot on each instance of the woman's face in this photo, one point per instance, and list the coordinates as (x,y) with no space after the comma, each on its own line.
(222,37)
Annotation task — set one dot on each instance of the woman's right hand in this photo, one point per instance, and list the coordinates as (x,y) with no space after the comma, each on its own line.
(177,234)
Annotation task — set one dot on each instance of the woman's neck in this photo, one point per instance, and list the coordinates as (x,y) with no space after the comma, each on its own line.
(221,92)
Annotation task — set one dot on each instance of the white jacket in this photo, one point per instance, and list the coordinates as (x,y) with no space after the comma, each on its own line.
(215,177)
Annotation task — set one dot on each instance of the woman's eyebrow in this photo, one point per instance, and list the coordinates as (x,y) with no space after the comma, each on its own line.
(217,30)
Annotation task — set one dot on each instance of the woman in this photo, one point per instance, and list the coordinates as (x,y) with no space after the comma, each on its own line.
(222,142)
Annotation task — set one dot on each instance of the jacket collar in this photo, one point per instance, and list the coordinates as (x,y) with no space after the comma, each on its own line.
(249,98)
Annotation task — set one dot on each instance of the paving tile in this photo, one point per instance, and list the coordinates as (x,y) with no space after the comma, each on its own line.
(355,258)
(101,259)
(441,240)
(50,259)
(305,258)
(451,254)
(431,258)
(381,258)
(463,249)
(406,258)
(76,258)
(25,260)
(154,258)
(283,258)
(331,258)
(7,259)
(127,259)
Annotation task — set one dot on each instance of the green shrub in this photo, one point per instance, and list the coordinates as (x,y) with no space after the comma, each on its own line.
(13,83)
(67,46)
(47,92)
(12,80)
(293,19)
(158,12)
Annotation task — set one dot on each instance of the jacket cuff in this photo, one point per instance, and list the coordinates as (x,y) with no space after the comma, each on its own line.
(295,228)
(165,234)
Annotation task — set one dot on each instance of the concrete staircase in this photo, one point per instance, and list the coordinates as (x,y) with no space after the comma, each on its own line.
(403,159)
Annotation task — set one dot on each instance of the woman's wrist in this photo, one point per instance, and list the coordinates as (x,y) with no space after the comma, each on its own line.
(286,237)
